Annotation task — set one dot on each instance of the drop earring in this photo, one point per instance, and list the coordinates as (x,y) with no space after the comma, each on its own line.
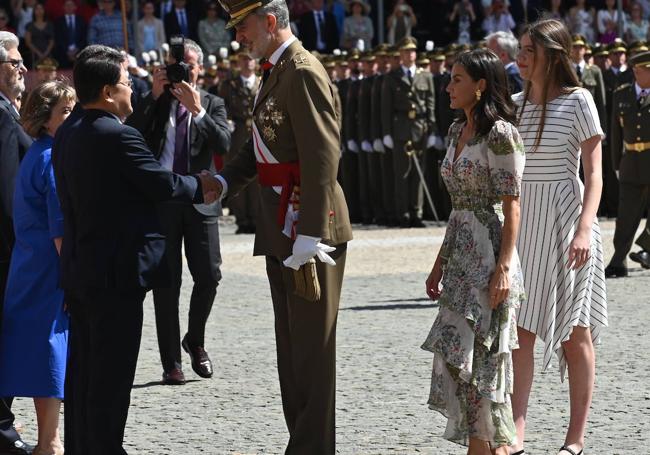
(478,95)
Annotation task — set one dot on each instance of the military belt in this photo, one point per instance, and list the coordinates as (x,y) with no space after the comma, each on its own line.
(637,146)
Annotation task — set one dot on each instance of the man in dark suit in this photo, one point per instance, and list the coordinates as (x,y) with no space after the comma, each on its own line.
(184,128)
(70,32)
(13,145)
(506,46)
(113,248)
(318,30)
(181,21)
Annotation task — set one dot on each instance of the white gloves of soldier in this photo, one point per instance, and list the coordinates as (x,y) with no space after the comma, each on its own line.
(366,146)
(231,126)
(352,146)
(388,141)
(436,142)
(305,248)
(378,145)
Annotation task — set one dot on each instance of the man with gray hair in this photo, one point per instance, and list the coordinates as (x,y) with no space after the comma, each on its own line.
(303,223)
(185,127)
(14,142)
(506,46)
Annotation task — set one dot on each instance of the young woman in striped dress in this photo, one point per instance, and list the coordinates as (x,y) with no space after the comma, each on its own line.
(559,241)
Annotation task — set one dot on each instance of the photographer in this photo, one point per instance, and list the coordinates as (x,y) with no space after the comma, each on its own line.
(400,22)
(184,126)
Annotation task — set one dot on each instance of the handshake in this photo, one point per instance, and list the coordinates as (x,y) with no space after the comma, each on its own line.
(211,186)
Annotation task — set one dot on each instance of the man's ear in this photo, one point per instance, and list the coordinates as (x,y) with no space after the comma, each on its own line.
(106,93)
(271,22)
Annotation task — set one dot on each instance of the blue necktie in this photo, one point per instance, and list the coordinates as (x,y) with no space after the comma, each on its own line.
(183,23)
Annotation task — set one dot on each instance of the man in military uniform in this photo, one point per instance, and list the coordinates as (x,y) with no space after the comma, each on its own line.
(239,95)
(303,225)
(408,118)
(372,207)
(629,129)
(359,207)
(591,78)
(383,155)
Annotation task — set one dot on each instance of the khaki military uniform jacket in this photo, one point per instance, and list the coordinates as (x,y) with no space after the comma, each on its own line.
(592,80)
(629,129)
(408,108)
(296,120)
(239,105)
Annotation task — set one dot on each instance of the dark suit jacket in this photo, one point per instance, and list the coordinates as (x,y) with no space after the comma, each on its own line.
(329,32)
(515,82)
(207,137)
(62,41)
(172,27)
(14,143)
(107,182)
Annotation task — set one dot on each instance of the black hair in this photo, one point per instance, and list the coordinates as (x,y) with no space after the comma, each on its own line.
(495,103)
(96,66)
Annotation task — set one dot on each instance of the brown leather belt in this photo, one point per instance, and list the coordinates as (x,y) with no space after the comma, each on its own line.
(637,146)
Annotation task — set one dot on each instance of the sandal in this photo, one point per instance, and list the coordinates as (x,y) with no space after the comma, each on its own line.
(571,451)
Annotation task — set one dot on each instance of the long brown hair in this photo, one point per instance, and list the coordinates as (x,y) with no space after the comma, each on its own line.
(37,110)
(555,40)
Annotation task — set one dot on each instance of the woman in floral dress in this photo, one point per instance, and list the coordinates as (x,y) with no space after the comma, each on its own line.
(475,331)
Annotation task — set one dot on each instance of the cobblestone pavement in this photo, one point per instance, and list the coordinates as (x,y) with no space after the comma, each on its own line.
(383,375)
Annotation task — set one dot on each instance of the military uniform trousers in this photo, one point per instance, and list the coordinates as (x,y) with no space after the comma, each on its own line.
(633,205)
(182,224)
(350,184)
(408,187)
(305,337)
(388,185)
(370,195)
(364,187)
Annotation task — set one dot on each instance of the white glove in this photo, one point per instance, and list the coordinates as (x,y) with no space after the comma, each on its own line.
(366,146)
(431,140)
(231,126)
(616,175)
(388,141)
(352,146)
(305,248)
(378,145)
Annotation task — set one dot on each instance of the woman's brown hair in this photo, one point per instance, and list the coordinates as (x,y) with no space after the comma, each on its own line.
(38,107)
(555,40)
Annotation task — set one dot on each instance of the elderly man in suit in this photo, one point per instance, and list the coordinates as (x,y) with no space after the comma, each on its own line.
(112,250)
(70,32)
(317,29)
(13,145)
(185,126)
(303,226)
(506,46)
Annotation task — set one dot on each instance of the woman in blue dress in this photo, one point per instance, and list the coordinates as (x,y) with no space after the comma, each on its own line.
(34,338)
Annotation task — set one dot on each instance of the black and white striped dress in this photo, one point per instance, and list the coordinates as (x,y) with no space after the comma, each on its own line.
(551,202)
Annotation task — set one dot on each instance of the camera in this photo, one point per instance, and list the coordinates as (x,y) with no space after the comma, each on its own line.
(179,71)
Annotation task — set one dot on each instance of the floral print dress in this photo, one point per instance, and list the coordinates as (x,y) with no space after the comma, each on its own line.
(472,344)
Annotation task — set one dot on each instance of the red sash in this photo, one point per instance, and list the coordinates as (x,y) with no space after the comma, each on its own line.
(286,175)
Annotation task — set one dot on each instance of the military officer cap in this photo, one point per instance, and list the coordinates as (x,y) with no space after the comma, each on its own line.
(617,46)
(638,46)
(480,45)
(578,40)
(588,51)
(437,56)
(641,59)
(599,50)
(393,51)
(354,54)
(368,57)
(423,61)
(450,50)
(239,9)
(408,44)
(381,50)
(48,63)
(328,62)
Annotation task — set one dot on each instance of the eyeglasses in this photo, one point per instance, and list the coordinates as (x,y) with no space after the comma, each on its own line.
(128,83)
(16,63)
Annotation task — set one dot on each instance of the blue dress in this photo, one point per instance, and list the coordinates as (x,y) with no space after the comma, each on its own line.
(34,336)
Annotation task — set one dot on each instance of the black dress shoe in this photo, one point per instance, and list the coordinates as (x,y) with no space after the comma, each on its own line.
(417,222)
(174,376)
(201,363)
(18,447)
(642,257)
(615,271)
(405,222)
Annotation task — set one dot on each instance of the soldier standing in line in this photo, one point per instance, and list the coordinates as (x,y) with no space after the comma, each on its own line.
(239,95)
(382,156)
(408,120)
(629,132)
(617,56)
(330,66)
(372,207)
(591,78)
(351,165)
